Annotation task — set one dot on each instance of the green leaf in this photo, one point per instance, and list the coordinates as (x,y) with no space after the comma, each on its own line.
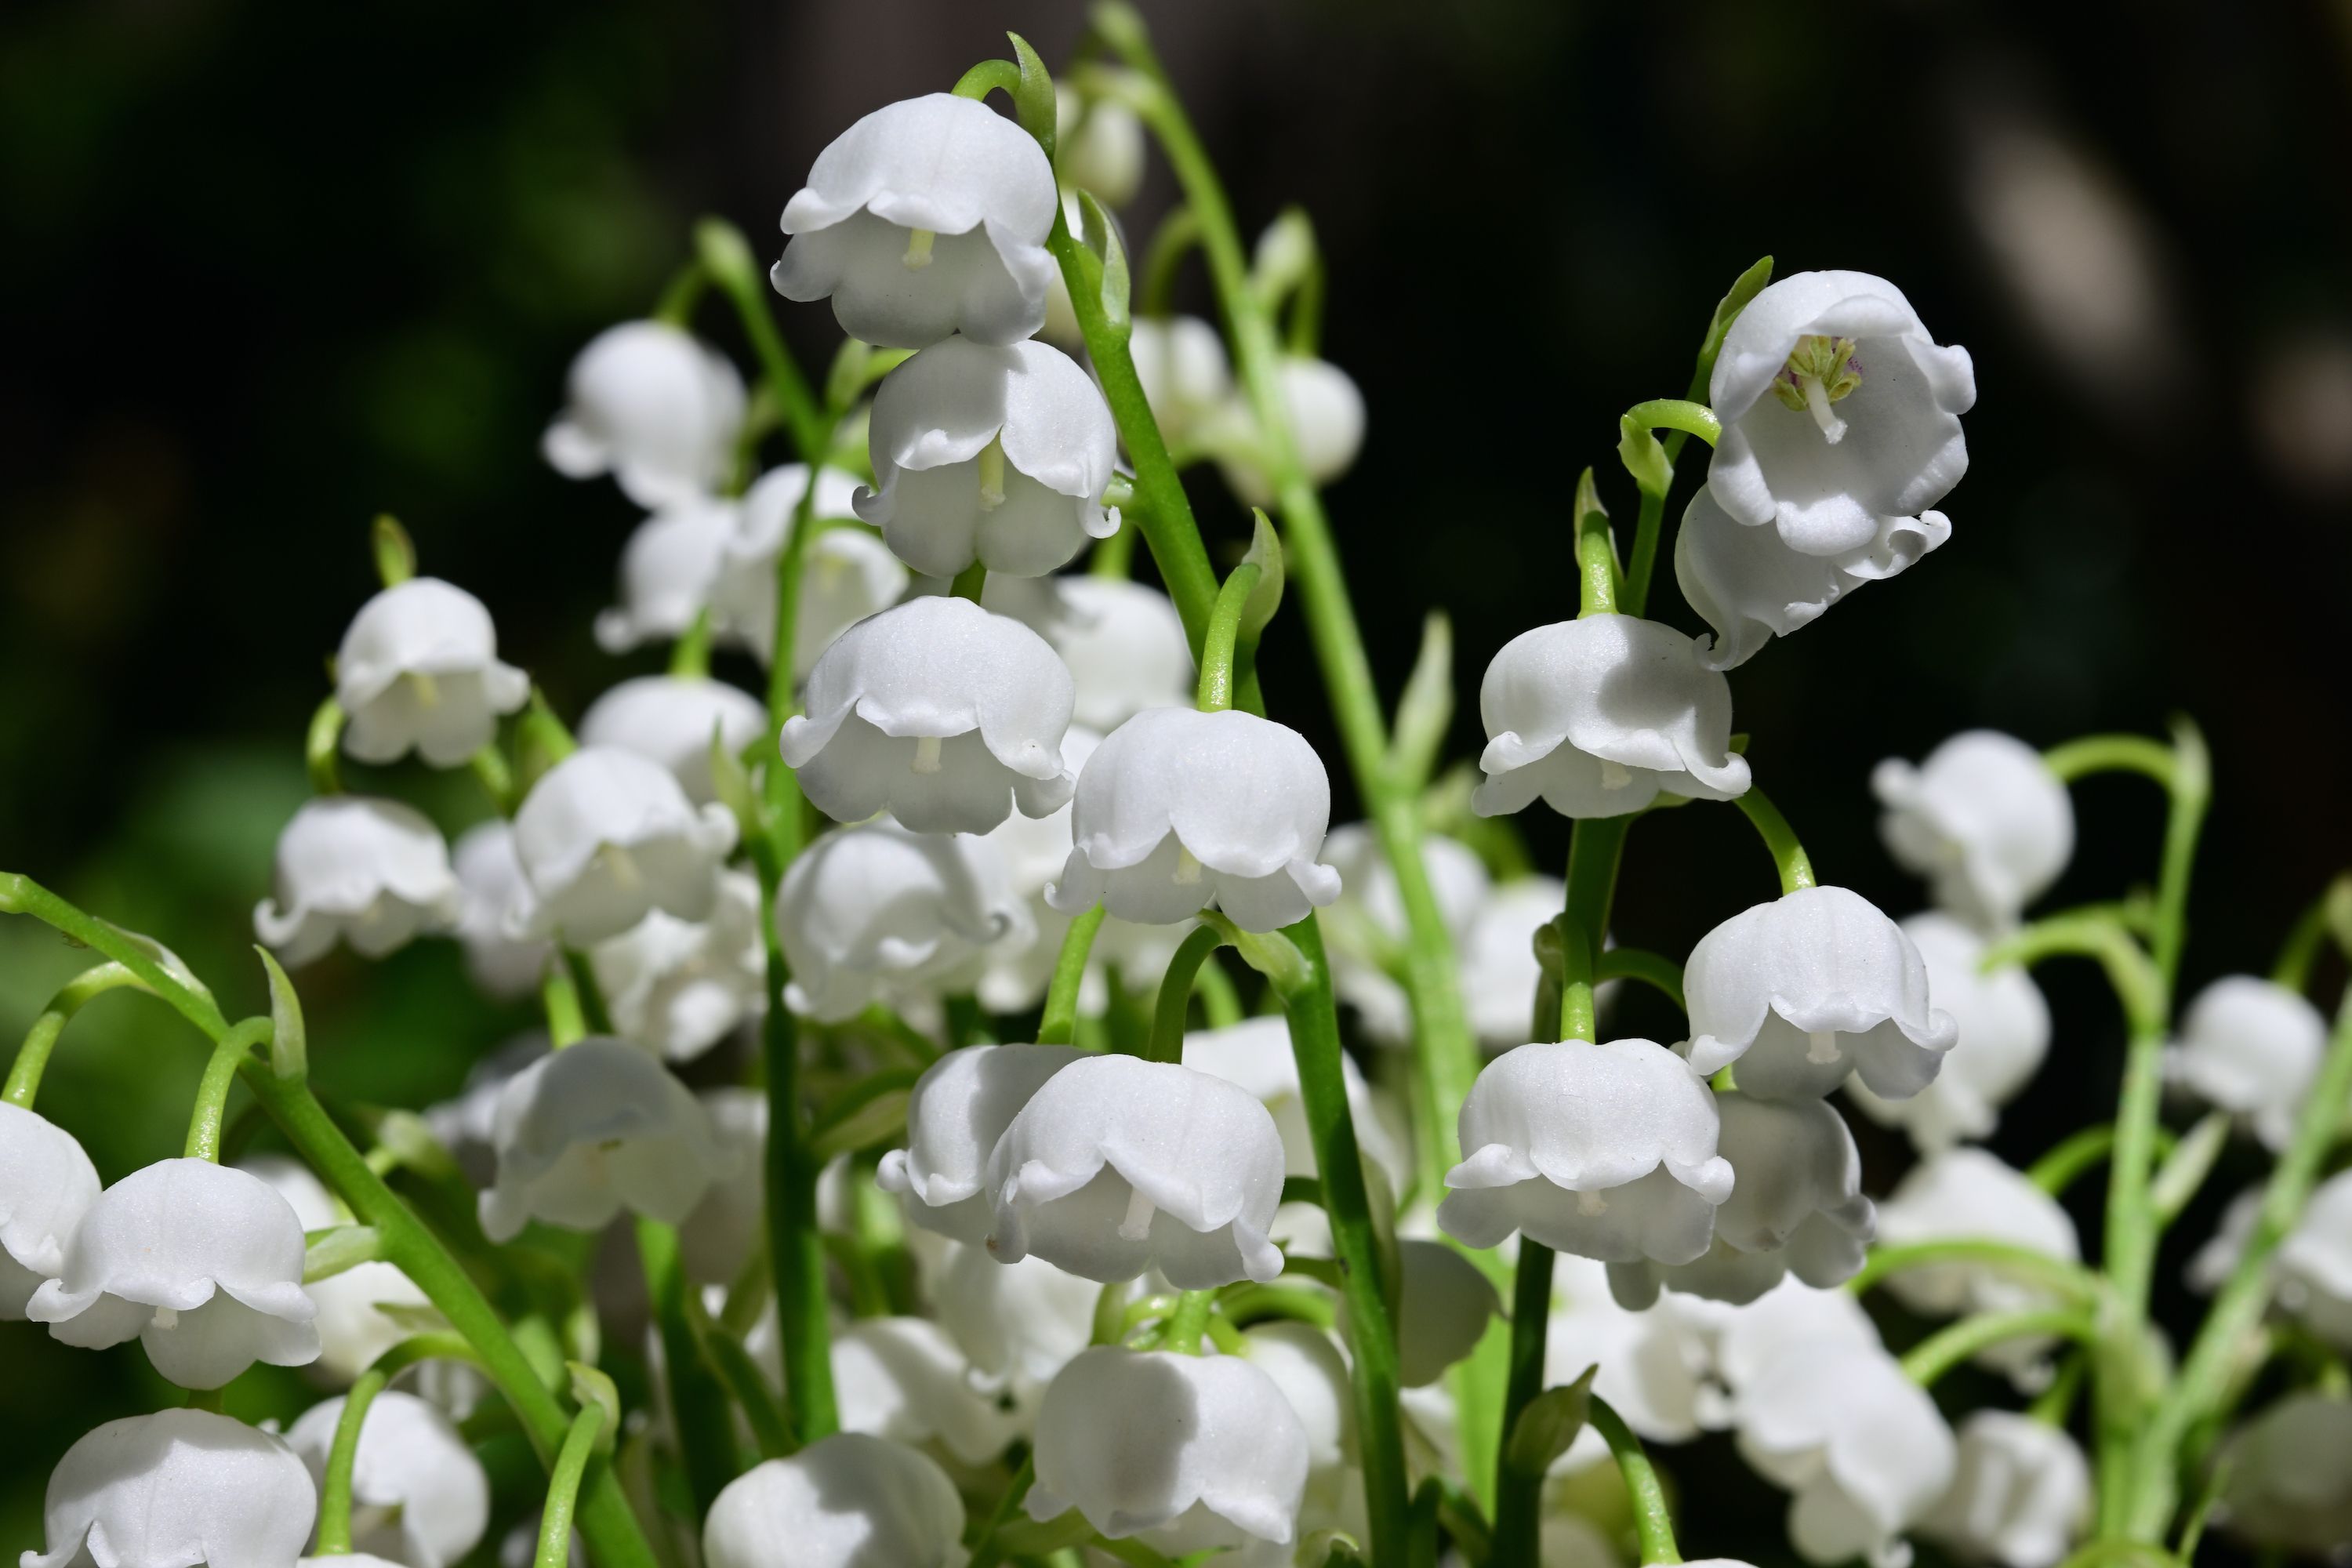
(395,554)
(290,1054)
(1100,235)
(1643,458)
(874,1111)
(1033,101)
(1427,710)
(1548,1424)
(725,254)
(591,1388)
(1744,287)
(1265,555)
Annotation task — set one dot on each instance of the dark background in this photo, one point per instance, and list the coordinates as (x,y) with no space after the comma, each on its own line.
(275,268)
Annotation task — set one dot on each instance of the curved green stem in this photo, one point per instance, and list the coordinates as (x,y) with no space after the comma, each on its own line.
(563,1487)
(1059,1024)
(1937,1354)
(1653,1521)
(2069,1279)
(2070,1157)
(1216,691)
(2110,755)
(1788,855)
(319,745)
(230,1052)
(335,1486)
(1655,970)
(1678,414)
(1167,1042)
(1189,1323)
(697,1400)
(41,1039)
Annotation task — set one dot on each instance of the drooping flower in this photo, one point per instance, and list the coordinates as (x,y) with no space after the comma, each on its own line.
(846,573)
(1016,1323)
(1751,586)
(606,836)
(1180,811)
(351,1331)
(960,1108)
(1304,1362)
(1813,986)
(496,904)
(939,712)
(599,1126)
(876,913)
(1444,1304)
(418,1494)
(671,720)
(2288,1487)
(174,1489)
(1098,146)
(1326,411)
(1649,1365)
(993,454)
(682,987)
(1189,1452)
(2004,1034)
(848,1501)
(46,1184)
(1366,928)
(2251,1048)
(904,1378)
(1499,970)
(1123,643)
(2313,1262)
(200,1263)
(716,1240)
(1984,820)
(1737,1347)
(1181,362)
(1605,1150)
(2020,1493)
(1861,428)
(373,873)
(419,669)
(928,217)
(1600,715)
(1970,1193)
(653,407)
(670,571)
(1116,1165)
(1256,1054)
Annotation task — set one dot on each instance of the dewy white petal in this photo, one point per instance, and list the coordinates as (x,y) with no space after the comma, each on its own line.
(174,1488)
(1984,819)
(418,1494)
(2288,1486)
(607,836)
(373,873)
(671,720)
(1256,1054)
(2004,1035)
(958,1109)
(681,987)
(849,1500)
(671,569)
(46,1184)
(351,1331)
(2022,1493)
(2253,1047)
(654,407)
(904,1378)
(1123,643)
(419,669)
(496,905)
(846,573)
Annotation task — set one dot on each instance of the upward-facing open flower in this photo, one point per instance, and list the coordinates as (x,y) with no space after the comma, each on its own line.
(680,986)
(597,1127)
(960,1108)
(418,1494)
(1600,715)
(176,1489)
(201,1263)
(846,573)
(46,1184)
(671,569)
(496,905)
(848,1501)
(1984,820)
(1190,1452)
(2021,1494)
(1180,811)
(1841,416)
(1256,1054)
(1181,361)
(1499,968)
(1605,1150)
(1751,586)
(928,217)
(938,712)
(671,720)
(1326,411)
(2005,1032)
(1116,1165)
(2253,1047)
(1365,928)
(606,836)
(374,873)
(903,1378)
(351,1331)
(1802,991)
(1124,643)
(654,407)
(419,668)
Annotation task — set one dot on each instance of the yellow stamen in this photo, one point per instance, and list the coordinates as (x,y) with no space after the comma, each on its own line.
(623,867)
(1136,1225)
(165,1317)
(428,690)
(927,753)
(1188,867)
(1592,1204)
(918,249)
(1822,1051)
(1614,776)
(992,473)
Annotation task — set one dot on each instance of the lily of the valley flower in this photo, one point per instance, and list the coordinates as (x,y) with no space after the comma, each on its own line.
(1650,1365)
(1984,820)
(2315,1263)
(1365,928)
(1256,1054)
(926,217)
(419,668)
(496,905)
(846,573)
(849,1500)
(46,1184)
(1180,811)
(1124,643)
(351,1331)
(2004,1034)
(1304,1361)
(1098,146)
(1325,410)
(671,720)
(1500,972)
(1604,1151)
(606,836)
(418,1494)
(1810,988)
(1118,1164)
(670,569)
(2251,1048)
(1187,379)
(1751,586)
(173,1490)
(2020,1495)
(993,454)
(960,1108)
(654,407)
(905,1379)
(1600,715)
(373,873)
(1444,1304)
(1016,1323)
(1970,1193)
(939,712)
(200,1263)
(681,987)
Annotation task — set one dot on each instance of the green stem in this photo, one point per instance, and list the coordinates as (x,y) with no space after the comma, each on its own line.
(1937,1354)
(795,1248)
(559,998)
(319,745)
(2330,914)
(744,283)
(1519,1496)
(1059,1024)
(681,294)
(2076,1153)
(697,1400)
(1167,1042)
(1216,691)
(690,656)
(1173,240)
(988,1552)
(230,1052)
(335,1485)
(1650,522)
(1189,1323)
(41,1039)
(1655,970)
(749,1385)
(1653,1521)
(2110,755)
(563,1487)
(2068,1279)
(970,583)
(1789,856)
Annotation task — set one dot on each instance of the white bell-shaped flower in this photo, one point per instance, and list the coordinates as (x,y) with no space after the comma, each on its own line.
(1600,716)
(2288,1486)
(1984,820)
(1326,409)
(2004,1034)
(1304,1363)
(1016,1323)
(1810,987)
(418,1494)
(353,1331)
(670,571)
(718,1237)
(873,913)
(1841,416)
(1365,929)
(939,712)
(176,1489)
(46,1184)
(1861,1448)
(682,987)
(846,573)
(905,1379)
(1187,379)
(1751,586)
(1116,1165)
(1500,972)
(671,720)
(1180,811)
(2020,1493)
(1650,1366)
(654,407)
(1098,146)
(419,669)
(993,454)
(606,836)
(1970,1193)
(201,1263)
(496,904)
(597,1127)
(1444,1304)
(2314,1264)
(2251,1047)
(960,1108)
(373,873)
(1796,1207)
(1256,1054)
(1189,1452)
(1738,1346)
(1605,1150)
(1124,643)
(848,1501)
(928,217)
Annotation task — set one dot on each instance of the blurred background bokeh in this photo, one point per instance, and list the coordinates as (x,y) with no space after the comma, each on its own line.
(274,267)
